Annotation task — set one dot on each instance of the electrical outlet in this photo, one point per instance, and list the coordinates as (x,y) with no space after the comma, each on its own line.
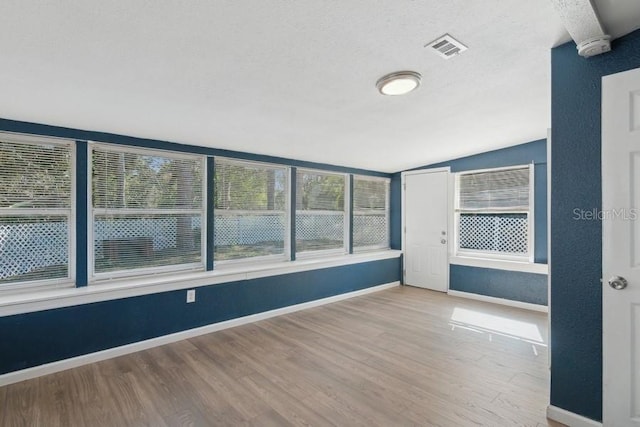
(191,295)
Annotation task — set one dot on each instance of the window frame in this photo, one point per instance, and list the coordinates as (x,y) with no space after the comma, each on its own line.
(262,259)
(387,242)
(70,213)
(475,253)
(95,277)
(345,209)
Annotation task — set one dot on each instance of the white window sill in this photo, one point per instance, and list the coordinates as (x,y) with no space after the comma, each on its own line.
(137,286)
(499,264)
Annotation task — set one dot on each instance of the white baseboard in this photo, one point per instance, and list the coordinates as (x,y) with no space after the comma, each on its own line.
(569,418)
(61,365)
(519,304)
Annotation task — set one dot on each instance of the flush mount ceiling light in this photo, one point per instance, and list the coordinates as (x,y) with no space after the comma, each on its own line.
(398,83)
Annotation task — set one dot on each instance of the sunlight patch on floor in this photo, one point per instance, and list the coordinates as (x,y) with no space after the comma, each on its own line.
(480,322)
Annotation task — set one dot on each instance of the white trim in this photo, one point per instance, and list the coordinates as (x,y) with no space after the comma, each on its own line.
(501,168)
(232,212)
(35,212)
(501,301)
(319,253)
(428,170)
(28,138)
(320,172)
(366,212)
(204,219)
(250,163)
(287,217)
(489,255)
(361,249)
(347,242)
(73,215)
(452,220)
(499,264)
(371,178)
(263,259)
(317,212)
(89,216)
(531,213)
(143,151)
(130,287)
(13,288)
(132,273)
(61,365)
(138,211)
(569,418)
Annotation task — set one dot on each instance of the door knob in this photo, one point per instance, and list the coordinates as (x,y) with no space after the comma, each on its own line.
(443,241)
(618,283)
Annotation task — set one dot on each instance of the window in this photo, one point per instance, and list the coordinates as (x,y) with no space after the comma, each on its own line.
(320,211)
(251,210)
(36,179)
(147,211)
(370,213)
(493,213)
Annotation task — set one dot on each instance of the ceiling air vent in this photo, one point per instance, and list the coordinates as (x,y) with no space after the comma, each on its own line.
(446,46)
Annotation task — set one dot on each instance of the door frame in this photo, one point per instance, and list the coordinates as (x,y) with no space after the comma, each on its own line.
(612,150)
(549,142)
(450,235)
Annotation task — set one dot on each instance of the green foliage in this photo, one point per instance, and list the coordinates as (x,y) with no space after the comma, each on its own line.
(369,194)
(320,192)
(241,187)
(34,175)
(129,180)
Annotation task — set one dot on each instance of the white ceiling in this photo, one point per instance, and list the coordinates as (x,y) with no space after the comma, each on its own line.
(286,78)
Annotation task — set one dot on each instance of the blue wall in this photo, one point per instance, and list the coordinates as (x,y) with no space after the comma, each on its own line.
(36,338)
(576,246)
(524,287)
(536,152)
(395,214)
(513,285)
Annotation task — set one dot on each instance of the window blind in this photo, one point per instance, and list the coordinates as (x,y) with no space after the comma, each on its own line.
(506,189)
(134,180)
(147,209)
(35,209)
(250,208)
(370,212)
(320,211)
(492,212)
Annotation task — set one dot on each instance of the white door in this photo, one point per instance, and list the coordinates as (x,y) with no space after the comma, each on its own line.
(425,223)
(621,248)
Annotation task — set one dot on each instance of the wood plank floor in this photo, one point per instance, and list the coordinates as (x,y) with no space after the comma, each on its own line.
(403,356)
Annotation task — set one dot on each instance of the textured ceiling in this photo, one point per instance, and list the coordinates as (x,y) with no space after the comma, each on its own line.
(290,78)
